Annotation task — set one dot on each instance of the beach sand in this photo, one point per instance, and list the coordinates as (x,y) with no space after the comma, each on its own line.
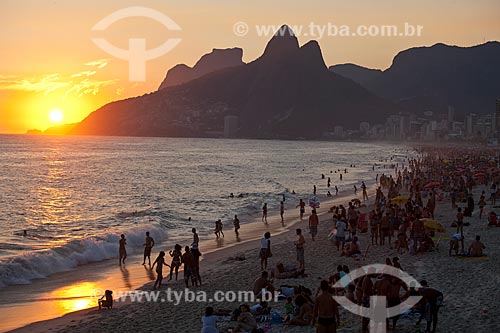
(469,285)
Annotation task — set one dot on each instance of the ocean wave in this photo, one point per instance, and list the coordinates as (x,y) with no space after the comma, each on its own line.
(24,268)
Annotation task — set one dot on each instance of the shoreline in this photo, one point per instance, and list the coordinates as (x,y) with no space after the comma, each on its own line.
(213,253)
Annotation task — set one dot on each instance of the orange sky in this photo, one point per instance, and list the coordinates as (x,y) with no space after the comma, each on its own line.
(48,60)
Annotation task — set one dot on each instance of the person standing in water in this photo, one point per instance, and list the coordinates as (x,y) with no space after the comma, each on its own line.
(329,182)
(147,248)
(302,206)
(196,239)
(336,190)
(264,213)
(122,250)
(236,223)
(363,187)
(282,211)
(314,189)
(340,176)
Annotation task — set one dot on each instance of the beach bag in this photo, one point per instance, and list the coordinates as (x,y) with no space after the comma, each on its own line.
(276,318)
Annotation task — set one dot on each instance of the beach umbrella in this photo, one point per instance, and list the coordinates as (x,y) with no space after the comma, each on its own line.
(432,185)
(433,225)
(399,200)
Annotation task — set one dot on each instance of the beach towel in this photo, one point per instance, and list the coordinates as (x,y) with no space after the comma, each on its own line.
(473,258)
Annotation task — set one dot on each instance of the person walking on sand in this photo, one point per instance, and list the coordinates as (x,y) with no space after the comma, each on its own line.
(336,190)
(326,311)
(150,242)
(329,182)
(299,247)
(302,209)
(355,189)
(265,250)
(282,211)
(314,189)
(236,223)
(264,213)
(313,224)
(363,187)
(159,262)
(122,250)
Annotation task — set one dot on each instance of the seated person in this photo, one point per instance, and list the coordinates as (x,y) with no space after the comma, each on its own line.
(106,300)
(476,248)
(209,321)
(303,312)
(354,247)
(245,322)
(262,283)
(260,309)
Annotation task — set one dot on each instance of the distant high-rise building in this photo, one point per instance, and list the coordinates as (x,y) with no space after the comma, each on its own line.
(470,123)
(338,131)
(230,126)
(497,118)
(451,116)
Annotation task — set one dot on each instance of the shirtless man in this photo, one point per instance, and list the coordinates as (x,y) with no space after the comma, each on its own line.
(313,224)
(236,223)
(196,239)
(476,248)
(147,248)
(262,283)
(325,310)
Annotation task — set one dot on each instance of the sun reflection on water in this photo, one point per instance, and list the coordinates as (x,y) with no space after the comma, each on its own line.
(76,297)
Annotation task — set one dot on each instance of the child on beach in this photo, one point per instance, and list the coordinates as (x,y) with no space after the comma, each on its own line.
(159,262)
(106,300)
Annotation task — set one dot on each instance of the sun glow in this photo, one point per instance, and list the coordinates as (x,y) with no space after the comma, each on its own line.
(56,116)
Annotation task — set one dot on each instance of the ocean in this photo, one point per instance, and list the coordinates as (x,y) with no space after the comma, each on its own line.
(74,196)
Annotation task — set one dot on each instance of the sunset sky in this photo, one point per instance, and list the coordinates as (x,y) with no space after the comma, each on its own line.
(49,62)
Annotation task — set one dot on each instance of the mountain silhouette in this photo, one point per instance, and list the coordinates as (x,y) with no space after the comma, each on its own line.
(208,63)
(358,74)
(435,77)
(288,92)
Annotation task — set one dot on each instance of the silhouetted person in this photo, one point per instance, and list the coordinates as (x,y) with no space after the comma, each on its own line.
(147,248)
(122,250)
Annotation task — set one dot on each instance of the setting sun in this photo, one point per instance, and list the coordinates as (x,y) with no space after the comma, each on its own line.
(56,116)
